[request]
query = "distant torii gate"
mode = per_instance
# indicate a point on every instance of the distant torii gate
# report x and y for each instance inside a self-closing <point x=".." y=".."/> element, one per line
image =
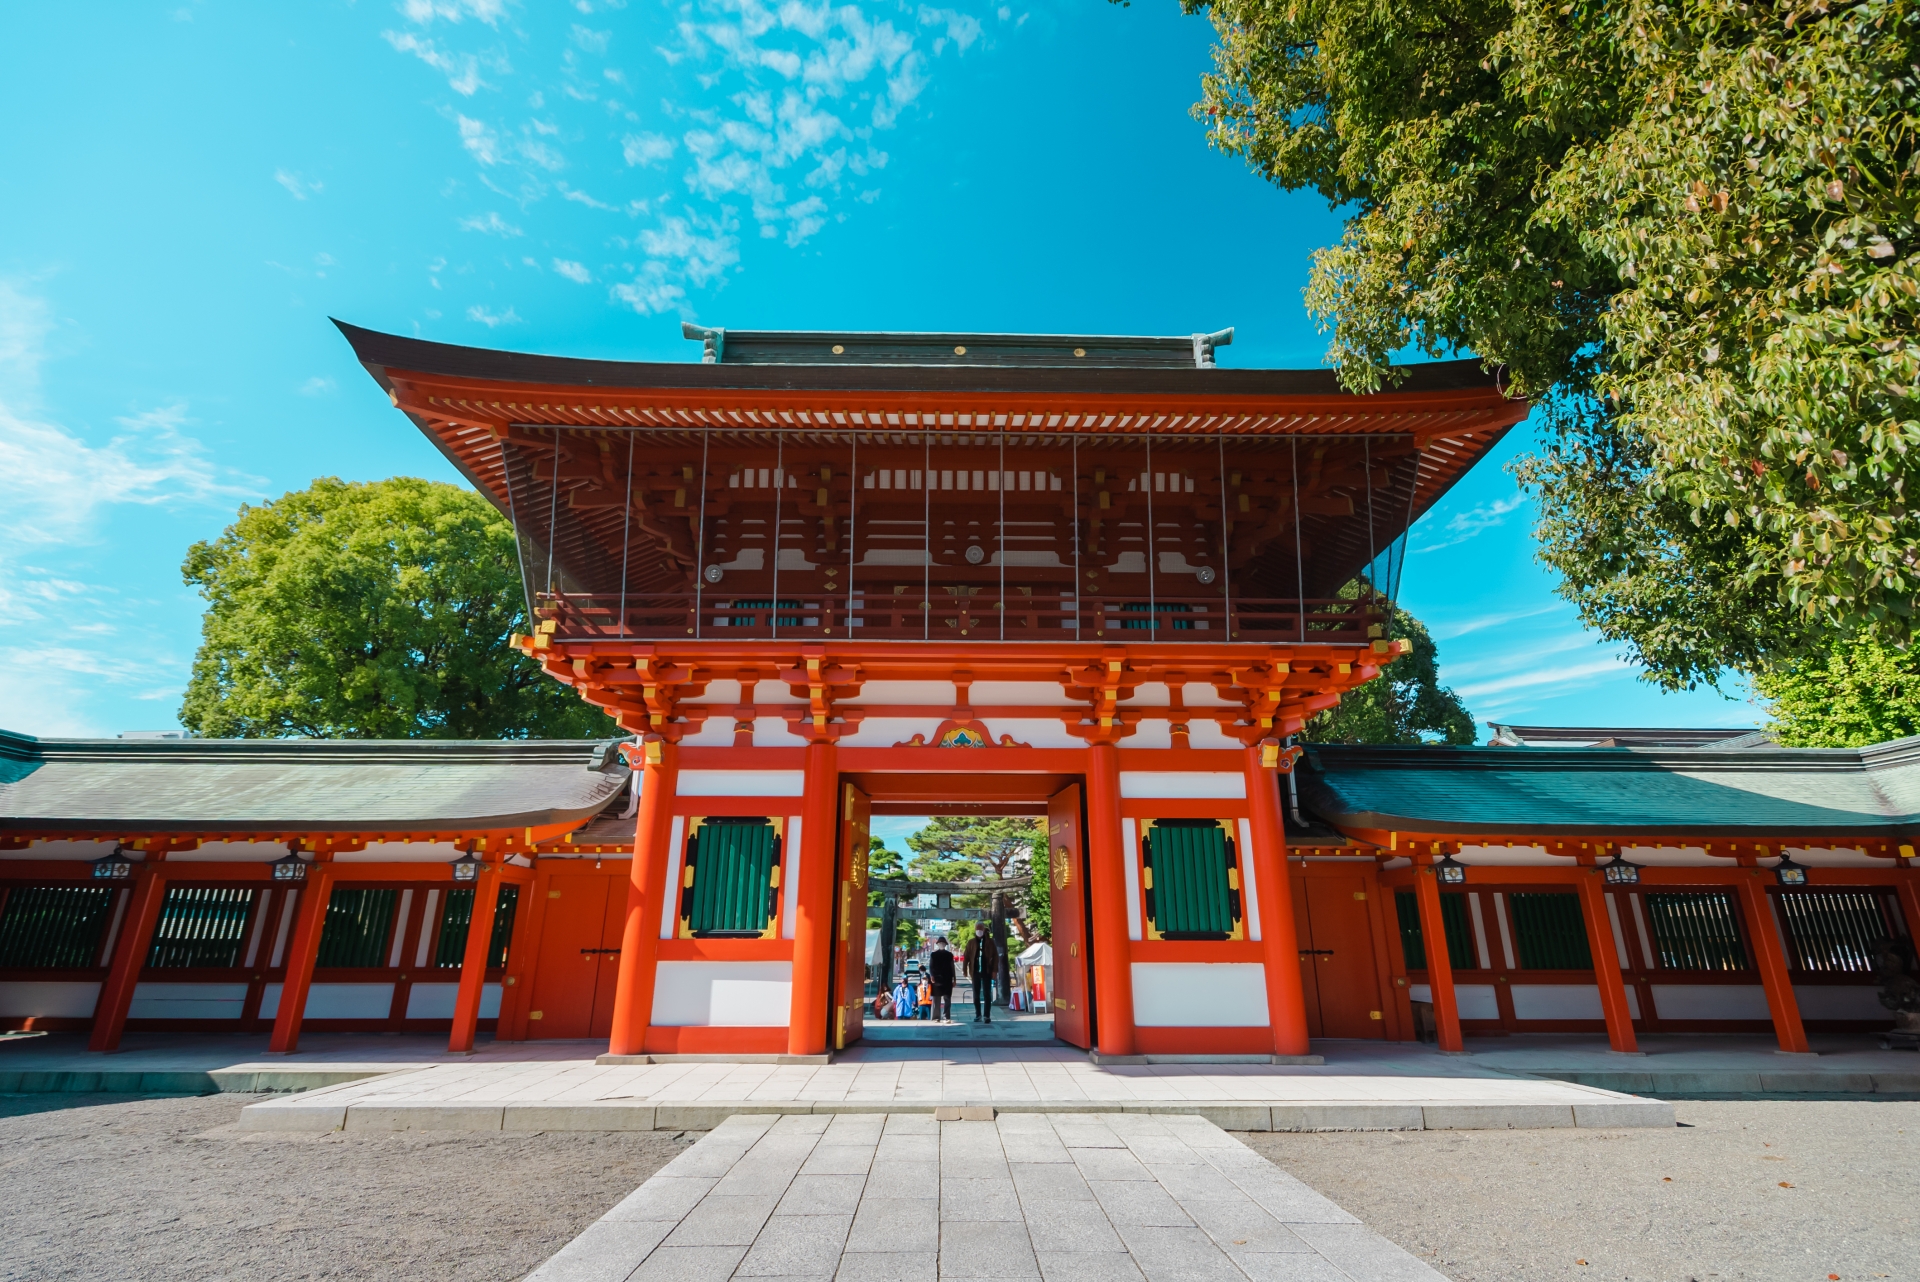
<point x="894" y="888"/>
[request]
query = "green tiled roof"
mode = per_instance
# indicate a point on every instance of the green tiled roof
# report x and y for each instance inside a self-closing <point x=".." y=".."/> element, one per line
<point x="1767" y="791"/>
<point x="266" y="786"/>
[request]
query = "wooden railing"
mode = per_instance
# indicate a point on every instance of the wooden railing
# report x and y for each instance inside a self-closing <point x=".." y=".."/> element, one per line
<point x="978" y="615"/>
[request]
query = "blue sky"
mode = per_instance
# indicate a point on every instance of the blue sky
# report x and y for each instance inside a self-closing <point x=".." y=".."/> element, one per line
<point x="195" y="187"/>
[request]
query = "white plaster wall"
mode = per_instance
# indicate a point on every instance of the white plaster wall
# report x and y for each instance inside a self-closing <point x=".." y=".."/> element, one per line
<point x="335" y="1001"/>
<point x="743" y="783"/>
<point x="723" y="994"/>
<point x="1026" y="694"/>
<point x="73" y="999"/>
<point x="939" y="694"/>
<point x="1192" y="784"/>
<point x="715" y="732"/>
<point x="1557" y="1001"/>
<point x="435" y="1001"/>
<point x="1851" y="1001"/>
<point x="1473" y="1001"/>
<point x="1199" y="995"/>
<point x="1205" y="732"/>
<point x="1037" y="732"/>
<point x="884" y="732"/>
<point x="1150" y="733"/>
<point x="187" y="1001"/>
<point x="1710" y="1001"/>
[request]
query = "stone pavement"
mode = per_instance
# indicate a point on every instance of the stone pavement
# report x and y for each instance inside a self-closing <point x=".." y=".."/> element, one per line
<point x="1411" y="1092"/>
<point x="907" y="1198"/>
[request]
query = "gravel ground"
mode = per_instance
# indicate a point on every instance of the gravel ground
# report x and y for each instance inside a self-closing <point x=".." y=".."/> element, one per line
<point x="118" y="1187"/>
<point x="1776" y="1190"/>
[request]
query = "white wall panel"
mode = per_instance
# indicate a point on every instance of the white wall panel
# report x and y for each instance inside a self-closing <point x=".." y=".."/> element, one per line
<point x="435" y="1001"/>
<point x="1199" y="995"/>
<point x="1472" y="1001"/>
<point x="1710" y="1001"/>
<point x="187" y="1001"/>
<point x="723" y="994"/>
<point x="69" y="999"/>
<point x="1189" y="784"/>
<point x="744" y="783"/>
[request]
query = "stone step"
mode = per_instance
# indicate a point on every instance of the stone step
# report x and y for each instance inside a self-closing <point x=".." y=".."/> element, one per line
<point x="318" y="1113"/>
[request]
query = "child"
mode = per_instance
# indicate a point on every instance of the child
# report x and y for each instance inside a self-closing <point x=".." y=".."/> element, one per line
<point x="925" y="1008"/>
<point x="902" y="999"/>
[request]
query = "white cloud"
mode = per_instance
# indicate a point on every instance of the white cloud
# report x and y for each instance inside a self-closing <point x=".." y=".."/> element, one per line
<point x="479" y="140"/>
<point x="462" y="70"/>
<point x="423" y="12"/>
<point x="1551" y="675"/>
<point x="487" y="318"/>
<point x="1465" y="525"/>
<point x="316" y="386"/>
<point x="491" y="224"/>
<point x="647" y="149"/>
<point x="575" y="272"/>
<point x="962" y="28"/>
<point x="1448" y="631"/>
<point x="300" y="188"/>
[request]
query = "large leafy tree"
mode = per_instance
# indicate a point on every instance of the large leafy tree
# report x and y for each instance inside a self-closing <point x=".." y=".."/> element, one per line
<point x="1859" y="692"/>
<point x="1405" y="704"/>
<point x="370" y="610"/>
<point x="1686" y="226"/>
<point x="971" y="847"/>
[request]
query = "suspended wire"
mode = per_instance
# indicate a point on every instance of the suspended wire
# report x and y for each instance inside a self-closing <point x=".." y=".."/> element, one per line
<point x="626" y="537"/>
<point x="926" y="533"/>
<point x="779" y="494"/>
<point x="1366" y="466"/>
<point x="553" y="509"/>
<point x="1153" y="548"/>
<point x="513" y="519"/>
<point x="1000" y="535"/>
<point x="1226" y="538"/>
<point x="700" y="553"/>
<point x="853" y="517"/>
<point x="1079" y="577"/>
<point x="1299" y="561"/>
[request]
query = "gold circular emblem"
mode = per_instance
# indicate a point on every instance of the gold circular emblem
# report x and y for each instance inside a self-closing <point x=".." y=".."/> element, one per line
<point x="1062" y="870"/>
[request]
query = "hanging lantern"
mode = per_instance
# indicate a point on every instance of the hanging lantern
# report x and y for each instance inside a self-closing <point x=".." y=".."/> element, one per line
<point x="113" y="867"/>
<point x="1451" y="872"/>
<point x="467" y="868"/>
<point x="1788" y="873"/>
<point x="290" y="866"/>
<point x="1621" y="873"/>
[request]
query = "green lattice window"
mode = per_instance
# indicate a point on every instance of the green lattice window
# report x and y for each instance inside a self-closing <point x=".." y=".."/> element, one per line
<point x="359" y="925"/>
<point x="1695" y="930"/>
<point x="54" y="927"/>
<point x="1832" y="932"/>
<point x="1191" y="875"/>
<point x="1454" y="919"/>
<point x="200" y="926"/>
<point x="458" y="915"/>
<point x="1549" y="932"/>
<point x="731" y="886"/>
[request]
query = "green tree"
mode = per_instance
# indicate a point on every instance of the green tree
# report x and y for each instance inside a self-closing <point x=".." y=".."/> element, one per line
<point x="971" y="848"/>
<point x="1686" y="226"/>
<point x="885" y="863"/>
<point x="367" y="611"/>
<point x="1404" y="704"/>
<point x="1860" y="692"/>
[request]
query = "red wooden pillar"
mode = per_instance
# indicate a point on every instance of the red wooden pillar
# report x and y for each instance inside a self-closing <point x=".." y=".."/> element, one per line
<point x="1107" y="884"/>
<point x="1770" y="957"/>
<point x="473" y="963"/>
<point x="646" y="891"/>
<point x="1286" y="1004"/>
<point x="1433" y="936"/>
<point x="813" y="927"/>
<point x="309" y="919"/>
<point x="129" y="955"/>
<point x="1606" y="960"/>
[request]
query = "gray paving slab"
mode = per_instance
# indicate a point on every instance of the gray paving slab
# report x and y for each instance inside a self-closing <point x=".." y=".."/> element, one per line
<point x="892" y="1198"/>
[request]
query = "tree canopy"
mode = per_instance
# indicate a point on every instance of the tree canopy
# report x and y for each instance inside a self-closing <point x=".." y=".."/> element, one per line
<point x="1404" y="704"/>
<point x="1687" y="227"/>
<point x="370" y="610"/>
<point x="972" y="847"/>
<point x="1859" y="692"/>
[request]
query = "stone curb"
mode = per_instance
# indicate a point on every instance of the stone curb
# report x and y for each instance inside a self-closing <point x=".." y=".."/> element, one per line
<point x="1737" y="1082"/>
<point x="317" y="1114"/>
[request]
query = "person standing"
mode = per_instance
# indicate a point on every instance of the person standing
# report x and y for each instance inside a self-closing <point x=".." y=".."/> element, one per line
<point x="940" y="970"/>
<point x="983" y="963"/>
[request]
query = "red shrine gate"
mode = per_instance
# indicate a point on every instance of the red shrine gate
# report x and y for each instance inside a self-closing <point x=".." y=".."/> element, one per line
<point x="1098" y="577"/>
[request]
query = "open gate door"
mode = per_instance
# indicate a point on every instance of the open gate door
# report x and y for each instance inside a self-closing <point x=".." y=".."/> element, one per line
<point x="850" y="918"/>
<point x="1066" y="865"/>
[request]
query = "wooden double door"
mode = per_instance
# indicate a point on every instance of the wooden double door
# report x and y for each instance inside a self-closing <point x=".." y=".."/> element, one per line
<point x="1336" y="916"/>
<point x="582" y="917"/>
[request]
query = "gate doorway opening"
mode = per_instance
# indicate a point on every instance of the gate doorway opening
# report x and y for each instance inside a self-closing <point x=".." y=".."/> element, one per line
<point x="1039" y="990"/>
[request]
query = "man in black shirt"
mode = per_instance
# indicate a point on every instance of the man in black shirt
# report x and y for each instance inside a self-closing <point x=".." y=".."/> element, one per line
<point x="983" y="963"/>
<point x="940" y="971"/>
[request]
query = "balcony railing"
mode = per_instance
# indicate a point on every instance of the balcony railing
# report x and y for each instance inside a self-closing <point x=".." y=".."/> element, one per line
<point x="913" y="614"/>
